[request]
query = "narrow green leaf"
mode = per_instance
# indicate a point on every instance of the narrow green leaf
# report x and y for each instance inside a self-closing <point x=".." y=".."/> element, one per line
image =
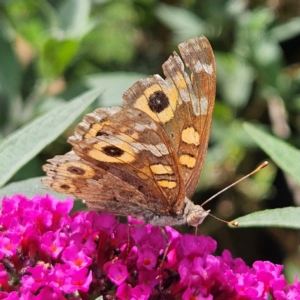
<point x="286" y="30"/>
<point x="29" y="188"/>
<point x="115" y="84"/>
<point x="22" y="145"/>
<point x="288" y="217"/>
<point x="182" y="22"/>
<point x="10" y="68"/>
<point x="291" y="267"/>
<point x="235" y="78"/>
<point x="33" y="187"/>
<point x="283" y="154"/>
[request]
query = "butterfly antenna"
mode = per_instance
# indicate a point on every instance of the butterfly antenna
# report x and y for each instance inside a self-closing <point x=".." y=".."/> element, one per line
<point x="261" y="166"/>
<point x="233" y="223"/>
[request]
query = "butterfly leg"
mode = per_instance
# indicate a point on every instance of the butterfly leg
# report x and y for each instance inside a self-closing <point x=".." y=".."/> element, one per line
<point x="128" y="238"/>
<point x="160" y="271"/>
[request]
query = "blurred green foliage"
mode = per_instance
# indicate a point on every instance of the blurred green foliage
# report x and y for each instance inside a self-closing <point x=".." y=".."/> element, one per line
<point x="52" y="51"/>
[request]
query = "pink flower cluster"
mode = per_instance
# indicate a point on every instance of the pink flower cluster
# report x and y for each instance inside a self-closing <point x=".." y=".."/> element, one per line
<point x="47" y="253"/>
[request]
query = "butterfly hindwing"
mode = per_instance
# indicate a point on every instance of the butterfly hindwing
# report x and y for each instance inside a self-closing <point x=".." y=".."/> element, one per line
<point x="69" y="174"/>
<point x="133" y="147"/>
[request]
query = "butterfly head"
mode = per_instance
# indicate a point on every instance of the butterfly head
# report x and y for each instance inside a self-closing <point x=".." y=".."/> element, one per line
<point x="195" y="214"/>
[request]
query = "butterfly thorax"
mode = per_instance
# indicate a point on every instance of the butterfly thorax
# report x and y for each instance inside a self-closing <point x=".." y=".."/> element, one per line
<point x="192" y="215"/>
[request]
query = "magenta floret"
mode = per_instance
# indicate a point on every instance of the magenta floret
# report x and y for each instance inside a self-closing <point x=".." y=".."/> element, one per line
<point x="48" y="253"/>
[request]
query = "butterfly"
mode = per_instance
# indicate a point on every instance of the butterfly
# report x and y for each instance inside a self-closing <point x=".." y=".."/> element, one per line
<point x="144" y="159"/>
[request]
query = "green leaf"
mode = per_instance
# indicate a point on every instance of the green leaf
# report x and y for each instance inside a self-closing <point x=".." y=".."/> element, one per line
<point x="115" y="84"/>
<point x="235" y="77"/>
<point x="288" y="217"/>
<point x="10" y="68"/>
<point x="255" y="43"/>
<point x="30" y="188"/>
<point x="22" y="145"/>
<point x="182" y="22"/>
<point x="56" y="55"/>
<point x="291" y="266"/>
<point x="286" y="30"/>
<point x="284" y="155"/>
<point x="74" y="17"/>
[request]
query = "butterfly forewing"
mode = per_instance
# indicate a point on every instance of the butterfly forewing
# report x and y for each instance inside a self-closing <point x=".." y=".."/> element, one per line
<point x="199" y="58"/>
<point x="182" y="104"/>
<point x="134" y="148"/>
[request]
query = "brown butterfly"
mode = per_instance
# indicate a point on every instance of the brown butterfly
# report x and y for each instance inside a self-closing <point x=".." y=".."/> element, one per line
<point x="145" y="159"/>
